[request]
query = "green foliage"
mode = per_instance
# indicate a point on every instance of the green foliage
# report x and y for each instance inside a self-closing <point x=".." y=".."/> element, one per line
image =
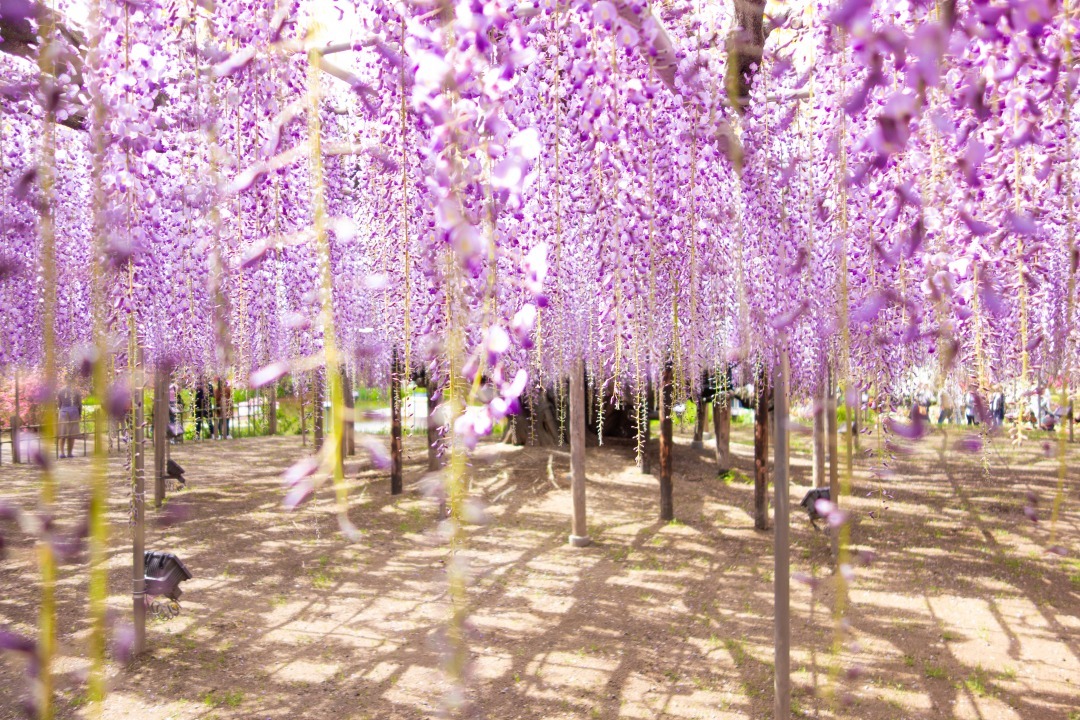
<point x="740" y="477"/>
<point x="934" y="672"/>
<point x="1074" y="573"/>
<point x="228" y="698"/>
<point x="977" y="682"/>
<point x="737" y="652"/>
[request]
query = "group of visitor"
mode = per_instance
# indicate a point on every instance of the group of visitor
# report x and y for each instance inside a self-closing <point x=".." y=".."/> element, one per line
<point x="69" y="410"/>
<point x="213" y="406"/>
<point x="960" y="406"/>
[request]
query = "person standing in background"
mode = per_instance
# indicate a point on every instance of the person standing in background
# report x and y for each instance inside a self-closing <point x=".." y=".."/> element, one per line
<point x="69" y="402"/>
<point x="204" y="393"/>
<point x="945" y="407"/>
<point x="176" y="429"/>
<point x="997" y="406"/>
<point x="223" y="398"/>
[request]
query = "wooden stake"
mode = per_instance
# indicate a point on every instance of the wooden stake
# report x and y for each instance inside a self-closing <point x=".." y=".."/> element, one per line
<point x="579" y="532"/>
<point x="722" y="428"/>
<point x="138" y="490"/>
<point x="318" y="412"/>
<point x="1068" y="408"/>
<point x="432" y="427"/>
<point x="395" y="424"/>
<point x="348" y="434"/>
<point x="667" y="503"/>
<point x="831" y="423"/>
<point x="271" y="421"/>
<point x="761" y="453"/>
<point x="781" y="550"/>
<point x="303" y="412"/>
<point x="16" y="423"/>
<point x="161" y="432"/>
<point x="855" y="413"/>
<point x="819" y="435"/>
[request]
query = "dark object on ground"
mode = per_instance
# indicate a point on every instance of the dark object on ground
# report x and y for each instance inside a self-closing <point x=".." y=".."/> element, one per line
<point x="809" y="502"/>
<point x="163" y="573"/>
<point x="173" y="470"/>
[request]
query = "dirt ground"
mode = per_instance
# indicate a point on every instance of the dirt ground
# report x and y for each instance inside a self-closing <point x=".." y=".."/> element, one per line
<point x="963" y="614"/>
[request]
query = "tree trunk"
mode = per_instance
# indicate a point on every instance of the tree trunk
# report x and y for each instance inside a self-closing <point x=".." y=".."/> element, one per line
<point x="667" y="503"/>
<point x="395" y="425"/>
<point x="579" y="532"/>
<point x="538" y="422"/>
<point x="318" y="413"/>
<point x="161" y="437"/>
<point x="699" y="424"/>
<point x="819" y="437"/>
<point x="722" y="431"/>
<point x="761" y="453"/>
<point x="781" y="551"/>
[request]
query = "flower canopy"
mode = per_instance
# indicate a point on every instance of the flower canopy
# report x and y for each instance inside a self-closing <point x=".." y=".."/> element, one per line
<point x="506" y="186"/>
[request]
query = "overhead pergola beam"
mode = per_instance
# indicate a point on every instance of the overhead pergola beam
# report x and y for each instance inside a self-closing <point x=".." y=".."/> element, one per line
<point x="19" y="37"/>
<point x="745" y="47"/>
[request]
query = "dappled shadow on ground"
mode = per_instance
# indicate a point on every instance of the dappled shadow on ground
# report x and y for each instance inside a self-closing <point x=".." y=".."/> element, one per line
<point x="962" y="614"/>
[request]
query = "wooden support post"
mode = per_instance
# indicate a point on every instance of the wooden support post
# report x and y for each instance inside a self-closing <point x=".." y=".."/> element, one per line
<point x="781" y="550"/>
<point x="271" y="420"/>
<point x="667" y="502"/>
<point x="138" y="506"/>
<point x="303" y="411"/>
<point x="318" y="412"/>
<point x="854" y="413"/>
<point x="722" y="431"/>
<point x="699" y="424"/>
<point x="819" y="435"/>
<point x="161" y="432"/>
<point x="432" y="426"/>
<point x="16" y="423"/>
<point x="579" y="532"/>
<point x="831" y="423"/>
<point x="395" y="424"/>
<point x="348" y="434"/>
<point x="761" y="452"/>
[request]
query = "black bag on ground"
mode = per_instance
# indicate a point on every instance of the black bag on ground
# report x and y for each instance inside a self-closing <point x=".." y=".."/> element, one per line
<point x="173" y="470"/>
<point x="163" y="573"/>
